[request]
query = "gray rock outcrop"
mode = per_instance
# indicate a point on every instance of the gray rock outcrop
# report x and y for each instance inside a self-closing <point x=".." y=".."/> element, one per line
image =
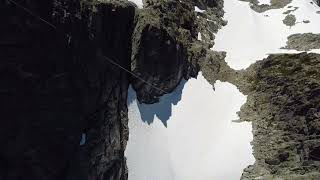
<point x="283" y="106"/>
<point x="303" y="42"/>
<point x="290" y="20"/>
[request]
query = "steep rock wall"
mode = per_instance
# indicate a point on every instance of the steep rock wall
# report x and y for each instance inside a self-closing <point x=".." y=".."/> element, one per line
<point x="62" y="82"/>
<point x="164" y="31"/>
<point x="165" y="43"/>
<point x="57" y="85"/>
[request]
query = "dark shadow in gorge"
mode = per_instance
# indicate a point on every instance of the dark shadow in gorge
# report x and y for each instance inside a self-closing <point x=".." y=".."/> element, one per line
<point x="162" y="109"/>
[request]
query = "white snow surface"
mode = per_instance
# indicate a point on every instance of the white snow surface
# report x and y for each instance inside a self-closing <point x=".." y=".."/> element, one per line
<point x="264" y="2"/>
<point x="137" y="2"/>
<point x="250" y="36"/>
<point x="200" y="141"/>
<point x="198" y="10"/>
<point x="199" y="36"/>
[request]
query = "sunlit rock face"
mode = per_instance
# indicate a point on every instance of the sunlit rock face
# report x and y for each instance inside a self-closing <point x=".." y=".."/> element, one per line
<point x="303" y="42"/>
<point x="283" y="105"/>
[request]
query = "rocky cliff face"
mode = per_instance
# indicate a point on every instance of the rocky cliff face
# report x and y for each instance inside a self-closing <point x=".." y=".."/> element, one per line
<point x="57" y="85"/>
<point x="163" y="33"/>
<point x="165" y="44"/>
<point x="283" y="105"/>
<point x="62" y="82"/>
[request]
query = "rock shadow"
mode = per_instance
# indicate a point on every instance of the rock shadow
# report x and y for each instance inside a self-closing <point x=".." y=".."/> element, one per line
<point x="162" y="109"/>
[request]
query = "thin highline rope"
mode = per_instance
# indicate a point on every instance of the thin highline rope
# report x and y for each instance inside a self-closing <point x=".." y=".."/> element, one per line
<point x="130" y="72"/>
<point x="108" y="59"/>
<point x="32" y="14"/>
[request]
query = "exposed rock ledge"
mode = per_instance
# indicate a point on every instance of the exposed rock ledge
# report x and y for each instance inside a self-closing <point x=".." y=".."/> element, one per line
<point x="303" y="42"/>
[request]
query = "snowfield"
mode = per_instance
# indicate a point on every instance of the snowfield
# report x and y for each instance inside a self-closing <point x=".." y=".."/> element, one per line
<point x="250" y="36"/>
<point x="200" y="142"/>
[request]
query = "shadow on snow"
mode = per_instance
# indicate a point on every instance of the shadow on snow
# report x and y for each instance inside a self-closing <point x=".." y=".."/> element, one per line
<point x="163" y="109"/>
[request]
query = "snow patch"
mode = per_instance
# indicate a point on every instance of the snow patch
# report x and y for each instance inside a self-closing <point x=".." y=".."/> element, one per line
<point x="198" y="10"/>
<point x="250" y="36"/>
<point x="200" y="142"/>
<point x="268" y="2"/>
<point x="138" y="3"/>
<point x="199" y="36"/>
